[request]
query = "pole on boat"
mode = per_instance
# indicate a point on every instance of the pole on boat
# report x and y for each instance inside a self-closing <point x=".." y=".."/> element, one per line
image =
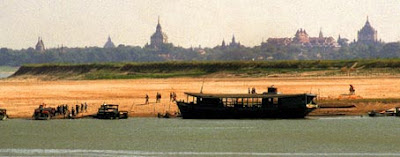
<point x="201" y="90"/>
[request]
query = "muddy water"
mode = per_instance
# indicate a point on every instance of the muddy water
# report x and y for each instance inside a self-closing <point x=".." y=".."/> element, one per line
<point x="325" y="136"/>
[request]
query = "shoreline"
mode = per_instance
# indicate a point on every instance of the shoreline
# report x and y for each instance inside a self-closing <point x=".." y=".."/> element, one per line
<point x="320" y="112"/>
<point x="151" y="116"/>
<point x="21" y="97"/>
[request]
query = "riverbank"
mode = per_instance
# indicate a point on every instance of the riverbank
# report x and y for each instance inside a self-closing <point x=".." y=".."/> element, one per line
<point x="216" y="69"/>
<point x="21" y="97"/>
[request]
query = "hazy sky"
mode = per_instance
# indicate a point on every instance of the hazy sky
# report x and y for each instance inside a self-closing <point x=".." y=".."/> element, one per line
<point x="79" y="23"/>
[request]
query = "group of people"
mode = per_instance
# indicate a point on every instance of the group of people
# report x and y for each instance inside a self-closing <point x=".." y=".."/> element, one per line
<point x="253" y="91"/>
<point x="79" y="109"/>
<point x="63" y="109"/>
<point x="172" y="97"/>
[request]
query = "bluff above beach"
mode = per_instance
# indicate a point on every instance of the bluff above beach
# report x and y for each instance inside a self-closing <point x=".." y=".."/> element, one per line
<point x="222" y="69"/>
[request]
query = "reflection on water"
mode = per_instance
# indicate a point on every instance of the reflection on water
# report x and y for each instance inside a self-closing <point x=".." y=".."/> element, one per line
<point x="321" y="136"/>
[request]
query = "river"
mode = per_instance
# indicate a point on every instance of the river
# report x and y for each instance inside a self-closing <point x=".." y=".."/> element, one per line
<point x="316" y="136"/>
<point x="5" y="74"/>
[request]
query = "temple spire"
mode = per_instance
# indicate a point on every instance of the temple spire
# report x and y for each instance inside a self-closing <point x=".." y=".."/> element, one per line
<point x="320" y="33"/>
<point x="158" y="28"/>
<point x="367" y="23"/>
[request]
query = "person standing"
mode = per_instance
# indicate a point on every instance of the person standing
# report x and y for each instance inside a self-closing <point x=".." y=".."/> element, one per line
<point x="352" y="90"/>
<point x="158" y="97"/>
<point x="72" y="111"/>
<point x="85" y="107"/>
<point x="77" y="109"/>
<point x="173" y="97"/>
<point x="147" y="99"/>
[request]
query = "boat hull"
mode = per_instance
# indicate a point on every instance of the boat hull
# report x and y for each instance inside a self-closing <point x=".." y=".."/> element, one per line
<point x="190" y="111"/>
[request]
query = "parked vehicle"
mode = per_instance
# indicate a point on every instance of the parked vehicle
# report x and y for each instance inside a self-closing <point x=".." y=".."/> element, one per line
<point x="111" y="111"/>
<point x="44" y="113"/>
<point x="3" y="114"/>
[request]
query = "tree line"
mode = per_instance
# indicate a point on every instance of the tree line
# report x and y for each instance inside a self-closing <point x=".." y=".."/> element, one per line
<point x="169" y="52"/>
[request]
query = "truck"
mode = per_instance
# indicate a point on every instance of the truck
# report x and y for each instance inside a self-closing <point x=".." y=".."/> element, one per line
<point x="3" y="114"/>
<point x="44" y="113"/>
<point x="111" y="111"/>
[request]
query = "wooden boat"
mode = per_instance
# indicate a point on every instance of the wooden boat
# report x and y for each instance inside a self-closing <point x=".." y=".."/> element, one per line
<point x="390" y="112"/>
<point x="270" y="104"/>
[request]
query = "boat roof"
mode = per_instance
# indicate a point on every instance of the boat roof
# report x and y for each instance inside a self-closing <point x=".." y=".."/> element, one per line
<point x="267" y="95"/>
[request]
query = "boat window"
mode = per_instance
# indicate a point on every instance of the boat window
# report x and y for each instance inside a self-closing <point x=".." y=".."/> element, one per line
<point x="195" y="100"/>
<point x="239" y="101"/>
<point x="275" y="101"/>
<point x="210" y="101"/>
<point x="230" y="102"/>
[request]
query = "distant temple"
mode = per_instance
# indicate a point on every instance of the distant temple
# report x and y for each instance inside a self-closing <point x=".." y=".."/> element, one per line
<point x="342" y="41"/>
<point x="302" y="38"/>
<point x="158" y="38"/>
<point x="40" y="46"/>
<point x="367" y="34"/>
<point x="109" y="43"/>
<point x="233" y="43"/>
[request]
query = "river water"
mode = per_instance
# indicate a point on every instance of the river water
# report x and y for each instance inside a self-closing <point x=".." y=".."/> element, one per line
<point x="5" y="74"/>
<point x="320" y="136"/>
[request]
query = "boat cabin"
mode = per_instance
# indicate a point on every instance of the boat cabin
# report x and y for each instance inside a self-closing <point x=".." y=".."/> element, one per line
<point x="264" y="100"/>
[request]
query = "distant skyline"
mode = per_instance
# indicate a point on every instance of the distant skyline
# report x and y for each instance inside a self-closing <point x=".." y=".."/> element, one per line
<point x="80" y="23"/>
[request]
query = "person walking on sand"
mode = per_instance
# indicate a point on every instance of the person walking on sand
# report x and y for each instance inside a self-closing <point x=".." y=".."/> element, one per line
<point x="147" y="99"/>
<point x="253" y="91"/>
<point x="352" y="90"/>
<point x="158" y="97"/>
<point x="85" y="107"/>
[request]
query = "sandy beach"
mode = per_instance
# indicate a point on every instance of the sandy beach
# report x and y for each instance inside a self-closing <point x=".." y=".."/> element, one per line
<point x="21" y="97"/>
